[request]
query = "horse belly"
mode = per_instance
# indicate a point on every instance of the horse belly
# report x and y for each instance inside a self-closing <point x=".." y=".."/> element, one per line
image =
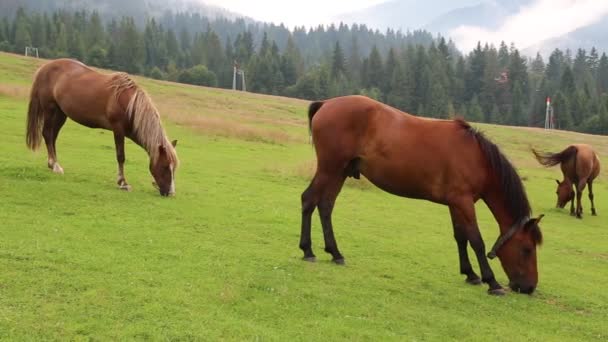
<point x="404" y="179"/>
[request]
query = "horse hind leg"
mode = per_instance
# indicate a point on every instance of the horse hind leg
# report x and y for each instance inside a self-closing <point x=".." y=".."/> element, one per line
<point x="593" y="212"/>
<point x="580" y="187"/>
<point x="463" y="256"/>
<point x="331" y="188"/>
<point x="321" y="194"/>
<point x="309" y="203"/>
<point x="54" y="121"/>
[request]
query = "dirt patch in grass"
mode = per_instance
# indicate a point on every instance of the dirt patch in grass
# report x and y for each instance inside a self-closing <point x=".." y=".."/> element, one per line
<point x="13" y="90"/>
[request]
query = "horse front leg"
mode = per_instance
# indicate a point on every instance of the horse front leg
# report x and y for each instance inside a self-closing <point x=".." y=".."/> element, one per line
<point x="464" y="214"/>
<point x="119" y="141"/>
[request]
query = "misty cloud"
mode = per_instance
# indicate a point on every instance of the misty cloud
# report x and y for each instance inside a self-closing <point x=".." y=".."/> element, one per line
<point x="541" y="20"/>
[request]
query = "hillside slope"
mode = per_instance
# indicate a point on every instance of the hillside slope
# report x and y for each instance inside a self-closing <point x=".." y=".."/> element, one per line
<point x="82" y="260"/>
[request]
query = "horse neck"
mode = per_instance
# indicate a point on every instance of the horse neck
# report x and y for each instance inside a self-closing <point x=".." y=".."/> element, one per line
<point x="497" y="203"/>
<point x="151" y="147"/>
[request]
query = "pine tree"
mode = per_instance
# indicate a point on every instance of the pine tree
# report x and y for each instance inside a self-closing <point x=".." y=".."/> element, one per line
<point x="95" y="34"/>
<point x="503" y="55"/>
<point x="474" y="74"/>
<point x="517" y="115"/>
<point x="562" y="111"/>
<point x="61" y="44"/>
<point x="602" y="75"/>
<point x="474" y="112"/>
<point x="338" y="62"/>
<point x="400" y="90"/>
<point x="354" y="62"/>
<point x="375" y="69"/>
<point x="22" y="32"/>
<point x="38" y="29"/>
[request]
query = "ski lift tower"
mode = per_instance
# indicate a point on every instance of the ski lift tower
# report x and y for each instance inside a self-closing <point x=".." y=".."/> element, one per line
<point x="31" y="51"/>
<point x="549" y="117"/>
<point x="237" y="71"/>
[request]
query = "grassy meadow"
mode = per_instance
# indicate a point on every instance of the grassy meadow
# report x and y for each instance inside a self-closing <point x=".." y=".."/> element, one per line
<point x="81" y="260"/>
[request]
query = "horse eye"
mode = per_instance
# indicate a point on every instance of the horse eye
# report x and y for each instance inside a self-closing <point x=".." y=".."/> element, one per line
<point x="526" y="252"/>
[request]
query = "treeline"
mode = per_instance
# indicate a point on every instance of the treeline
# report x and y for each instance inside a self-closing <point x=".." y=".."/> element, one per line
<point x="413" y="71"/>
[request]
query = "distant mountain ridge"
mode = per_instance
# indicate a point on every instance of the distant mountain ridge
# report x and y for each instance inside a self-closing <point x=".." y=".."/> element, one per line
<point x="118" y="8"/>
<point x="443" y="16"/>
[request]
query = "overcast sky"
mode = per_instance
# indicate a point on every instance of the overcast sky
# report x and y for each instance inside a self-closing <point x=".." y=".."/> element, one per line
<point x="294" y="13"/>
<point x="543" y="19"/>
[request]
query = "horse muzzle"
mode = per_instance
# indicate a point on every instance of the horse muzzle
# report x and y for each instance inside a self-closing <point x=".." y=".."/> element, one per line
<point x="525" y="289"/>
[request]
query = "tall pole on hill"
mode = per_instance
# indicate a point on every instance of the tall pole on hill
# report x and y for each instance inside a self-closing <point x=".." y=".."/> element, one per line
<point x="236" y="71"/>
<point x="549" y="118"/>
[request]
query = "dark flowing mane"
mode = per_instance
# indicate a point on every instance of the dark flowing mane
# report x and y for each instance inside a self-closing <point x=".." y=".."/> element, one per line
<point x="516" y="199"/>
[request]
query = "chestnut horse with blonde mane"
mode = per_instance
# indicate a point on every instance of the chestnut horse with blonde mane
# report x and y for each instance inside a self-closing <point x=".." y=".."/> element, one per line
<point x="67" y="88"/>
<point x="443" y="161"/>
<point x="580" y="166"/>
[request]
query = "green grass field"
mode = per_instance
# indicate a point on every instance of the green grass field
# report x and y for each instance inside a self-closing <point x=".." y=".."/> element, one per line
<point x="81" y="260"/>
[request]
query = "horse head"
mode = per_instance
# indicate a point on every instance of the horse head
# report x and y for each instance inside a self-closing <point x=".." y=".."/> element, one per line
<point x="162" y="168"/>
<point x="516" y="250"/>
<point x="564" y="192"/>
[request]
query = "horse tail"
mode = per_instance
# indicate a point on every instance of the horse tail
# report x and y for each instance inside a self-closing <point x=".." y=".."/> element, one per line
<point x="312" y="110"/>
<point x="35" y="118"/>
<point x="551" y="159"/>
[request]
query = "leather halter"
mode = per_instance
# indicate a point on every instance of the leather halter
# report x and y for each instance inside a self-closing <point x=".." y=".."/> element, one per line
<point x="506" y="237"/>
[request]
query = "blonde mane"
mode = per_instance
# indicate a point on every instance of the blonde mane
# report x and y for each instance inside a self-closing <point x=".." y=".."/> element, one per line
<point x="147" y="126"/>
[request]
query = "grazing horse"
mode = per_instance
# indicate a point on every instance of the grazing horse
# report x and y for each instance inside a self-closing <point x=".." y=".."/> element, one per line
<point x="67" y="88"/>
<point x="580" y="166"/>
<point x="443" y="161"/>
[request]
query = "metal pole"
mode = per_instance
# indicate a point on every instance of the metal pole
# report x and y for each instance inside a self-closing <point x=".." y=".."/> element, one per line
<point x="244" y="86"/>
<point x="234" y="78"/>
<point x="548" y="114"/>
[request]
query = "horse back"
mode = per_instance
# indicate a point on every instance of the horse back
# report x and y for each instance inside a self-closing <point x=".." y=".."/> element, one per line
<point x="81" y="93"/>
<point x="400" y="153"/>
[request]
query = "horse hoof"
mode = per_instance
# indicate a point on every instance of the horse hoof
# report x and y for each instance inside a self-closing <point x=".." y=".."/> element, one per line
<point x="310" y="259"/>
<point x="57" y="169"/>
<point x="473" y="281"/>
<point x="594" y="214"/>
<point x="497" y="292"/>
<point x="125" y="187"/>
<point x="339" y="261"/>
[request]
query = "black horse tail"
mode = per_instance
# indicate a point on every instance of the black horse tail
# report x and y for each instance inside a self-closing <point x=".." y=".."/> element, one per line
<point x="312" y="110"/>
<point x="35" y="118"/>
<point x="551" y="159"/>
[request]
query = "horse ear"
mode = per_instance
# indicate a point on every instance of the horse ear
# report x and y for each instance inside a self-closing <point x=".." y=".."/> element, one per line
<point x="174" y="143"/>
<point x="161" y="148"/>
<point x="540" y="217"/>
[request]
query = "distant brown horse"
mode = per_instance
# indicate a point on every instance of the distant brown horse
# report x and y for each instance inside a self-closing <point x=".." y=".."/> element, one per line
<point x="67" y="88"/>
<point x="442" y="161"/>
<point x="580" y="166"/>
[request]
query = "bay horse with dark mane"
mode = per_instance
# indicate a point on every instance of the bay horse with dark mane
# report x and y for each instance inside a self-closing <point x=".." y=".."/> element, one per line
<point x="67" y="88"/>
<point x="443" y="161"/>
<point x="580" y="166"/>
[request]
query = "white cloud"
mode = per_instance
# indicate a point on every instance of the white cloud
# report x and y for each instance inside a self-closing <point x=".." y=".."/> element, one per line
<point x="543" y="19"/>
<point x="293" y="13"/>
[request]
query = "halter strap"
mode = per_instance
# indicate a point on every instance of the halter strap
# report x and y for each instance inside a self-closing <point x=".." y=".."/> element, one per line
<point x="508" y="235"/>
